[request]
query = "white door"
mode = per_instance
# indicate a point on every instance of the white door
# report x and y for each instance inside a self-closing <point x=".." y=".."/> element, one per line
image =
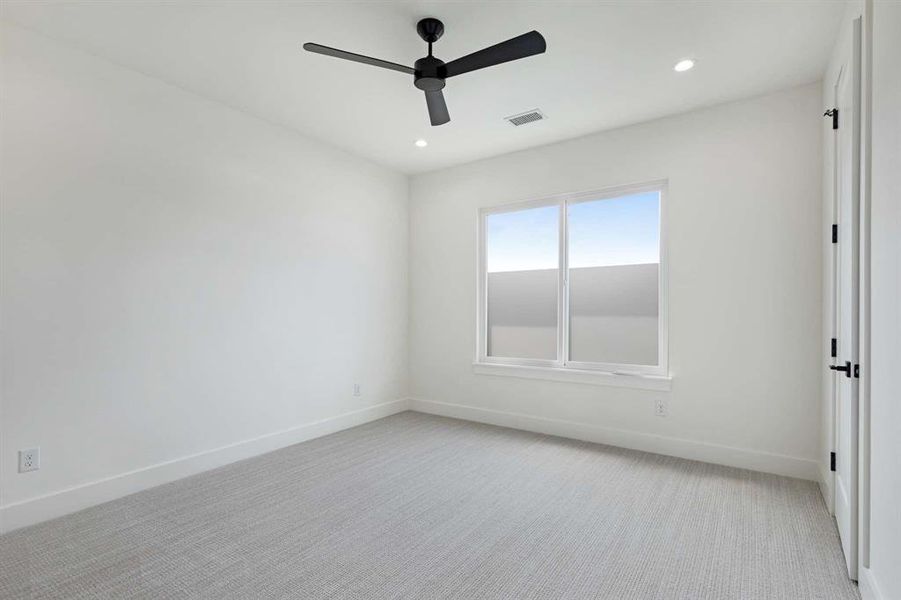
<point x="845" y="380"/>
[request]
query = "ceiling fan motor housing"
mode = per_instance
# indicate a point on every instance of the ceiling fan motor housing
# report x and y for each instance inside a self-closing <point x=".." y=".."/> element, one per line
<point x="429" y="74"/>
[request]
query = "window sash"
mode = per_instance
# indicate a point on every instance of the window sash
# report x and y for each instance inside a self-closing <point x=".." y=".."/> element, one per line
<point x="564" y="201"/>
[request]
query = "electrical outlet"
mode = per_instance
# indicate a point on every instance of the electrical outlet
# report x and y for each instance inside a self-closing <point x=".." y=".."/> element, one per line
<point x="356" y="389"/>
<point x="661" y="407"/>
<point x="29" y="460"/>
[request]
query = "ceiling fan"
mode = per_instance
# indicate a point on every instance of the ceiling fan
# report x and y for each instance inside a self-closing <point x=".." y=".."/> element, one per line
<point x="430" y="72"/>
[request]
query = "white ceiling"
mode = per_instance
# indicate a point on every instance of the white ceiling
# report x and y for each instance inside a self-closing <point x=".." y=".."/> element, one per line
<point x="608" y="63"/>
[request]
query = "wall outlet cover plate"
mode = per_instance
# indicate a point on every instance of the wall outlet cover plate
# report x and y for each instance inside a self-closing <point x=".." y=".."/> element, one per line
<point x="29" y="460"/>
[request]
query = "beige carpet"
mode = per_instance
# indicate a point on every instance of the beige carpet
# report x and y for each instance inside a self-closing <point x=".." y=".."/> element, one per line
<point x="416" y="506"/>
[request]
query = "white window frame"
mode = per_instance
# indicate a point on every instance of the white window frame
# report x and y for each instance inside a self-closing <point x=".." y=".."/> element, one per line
<point x="645" y="376"/>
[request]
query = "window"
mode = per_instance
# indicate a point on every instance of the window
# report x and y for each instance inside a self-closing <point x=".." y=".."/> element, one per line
<point x="575" y="282"/>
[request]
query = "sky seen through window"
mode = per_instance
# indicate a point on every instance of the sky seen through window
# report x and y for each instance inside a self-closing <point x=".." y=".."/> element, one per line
<point x="613" y="231"/>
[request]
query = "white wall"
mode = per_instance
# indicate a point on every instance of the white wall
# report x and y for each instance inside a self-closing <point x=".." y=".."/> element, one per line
<point x="745" y="265"/>
<point x="882" y="581"/>
<point x="177" y="277"/>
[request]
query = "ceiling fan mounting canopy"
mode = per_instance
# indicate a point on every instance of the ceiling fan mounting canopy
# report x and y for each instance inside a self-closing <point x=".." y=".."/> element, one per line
<point x="429" y="72"/>
<point x="430" y="29"/>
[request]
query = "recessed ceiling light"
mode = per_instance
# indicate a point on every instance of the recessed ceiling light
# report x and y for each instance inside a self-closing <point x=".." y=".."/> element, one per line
<point x="684" y="65"/>
<point x="421" y="143"/>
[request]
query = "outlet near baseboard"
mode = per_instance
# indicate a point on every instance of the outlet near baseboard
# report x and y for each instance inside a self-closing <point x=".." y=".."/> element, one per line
<point x="29" y="460"/>
<point x="661" y="407"/>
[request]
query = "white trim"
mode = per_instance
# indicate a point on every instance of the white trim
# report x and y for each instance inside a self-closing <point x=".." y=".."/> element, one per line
<point x="563" y="324"/>
<point x="481" y="291"/>
<point x="863" y="328"/>
<point x="542" y="363"/>
<point x="866" y="584"/>
<point x="663" y="282"/>
<point x="571" y="375"/>
<point x="743" y="458"/>
<point x="825" y="483"/>
<point x="562" y="362"/>
<point x="56" y="504"/>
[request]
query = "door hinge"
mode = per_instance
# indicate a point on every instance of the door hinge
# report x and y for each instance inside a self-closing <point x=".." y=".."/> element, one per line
<point x="833" y="348"/>
<point x="832" y="112"/>
<point x="835" y="233"/>
<point x="832" y="461"/>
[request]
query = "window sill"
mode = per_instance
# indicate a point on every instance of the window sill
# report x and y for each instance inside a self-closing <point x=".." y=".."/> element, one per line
<point x="642" y="382"/>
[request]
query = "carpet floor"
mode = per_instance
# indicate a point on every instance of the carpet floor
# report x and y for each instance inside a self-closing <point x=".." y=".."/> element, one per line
<point x="418" y="506"/>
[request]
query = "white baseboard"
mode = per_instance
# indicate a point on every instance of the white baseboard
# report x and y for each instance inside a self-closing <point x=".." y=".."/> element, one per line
<point x="825" y="481"/>
<point x="42" y="508"/>
<point x="743" y="458"/>
<point x="35" y="510"/>
<point x="867" y="586"/>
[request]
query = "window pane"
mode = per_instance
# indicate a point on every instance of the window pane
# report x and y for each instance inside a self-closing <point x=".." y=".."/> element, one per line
<point x="521" y="254"/>
<point x="614" y="261"/>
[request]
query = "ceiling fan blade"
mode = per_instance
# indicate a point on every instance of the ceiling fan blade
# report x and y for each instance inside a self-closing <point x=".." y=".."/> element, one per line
<point x="366" y="60"/>
<point x="437" y="107"/>
<point x="527" y="44"/>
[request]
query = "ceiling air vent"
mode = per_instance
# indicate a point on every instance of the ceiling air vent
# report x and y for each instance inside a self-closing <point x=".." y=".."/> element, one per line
<point x="526" y="117"/>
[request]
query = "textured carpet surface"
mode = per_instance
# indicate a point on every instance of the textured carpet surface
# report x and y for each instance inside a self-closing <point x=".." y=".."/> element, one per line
<point x="416" y="506"/>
